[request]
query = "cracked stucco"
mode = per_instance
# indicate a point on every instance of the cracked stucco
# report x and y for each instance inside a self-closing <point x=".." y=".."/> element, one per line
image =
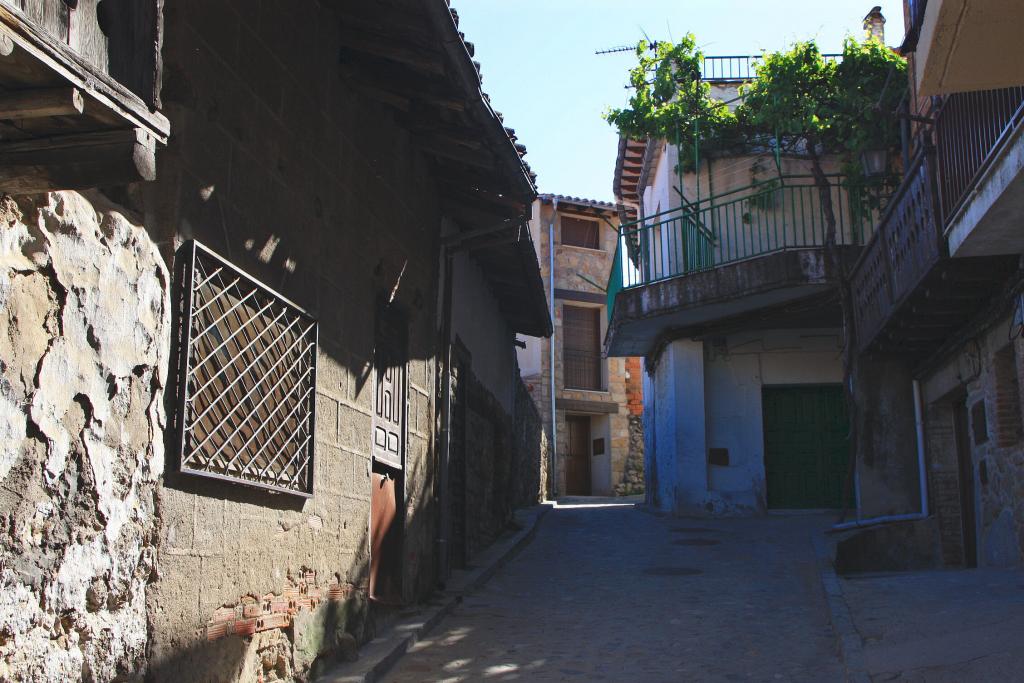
<point x="84" y="344"/>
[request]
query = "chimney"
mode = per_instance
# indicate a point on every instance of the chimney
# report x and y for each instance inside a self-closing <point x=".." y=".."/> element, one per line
<point x="874" y="25"/>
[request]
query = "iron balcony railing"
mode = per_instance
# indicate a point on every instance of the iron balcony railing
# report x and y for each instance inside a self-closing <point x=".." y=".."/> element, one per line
<point x="583" y="369"/>
<point x="773" y="216"/>
<point x="727" y="68"/>
<point x="970" y="128"/>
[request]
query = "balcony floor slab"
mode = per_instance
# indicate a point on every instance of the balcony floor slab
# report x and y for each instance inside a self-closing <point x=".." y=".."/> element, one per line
<point x="643" y="316"/>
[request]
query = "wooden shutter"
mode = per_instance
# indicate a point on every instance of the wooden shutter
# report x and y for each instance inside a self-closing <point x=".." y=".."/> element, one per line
<point x="581" y="347"/>
<point x="580" y="232"/>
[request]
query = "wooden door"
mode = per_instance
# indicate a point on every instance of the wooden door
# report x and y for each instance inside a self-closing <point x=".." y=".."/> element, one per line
<point x="806" y="446"/>
<point x="388" y="447"/>
<point x="577" y="461"/>
<point x="965" y="470"/>
<point x="385" y="538"/>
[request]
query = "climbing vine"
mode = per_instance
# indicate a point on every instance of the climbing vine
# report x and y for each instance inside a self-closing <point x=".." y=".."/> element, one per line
<point x="806" y="104"/>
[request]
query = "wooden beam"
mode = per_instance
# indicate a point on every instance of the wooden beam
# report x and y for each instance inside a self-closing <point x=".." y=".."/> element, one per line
<point x="73" y="162"/>
<point x="30" y="41"/>
<point x="425" y="61"/>
<point x="36" y="104"/>
<point x="399" y="84"/>
<point x="439" y="148"/>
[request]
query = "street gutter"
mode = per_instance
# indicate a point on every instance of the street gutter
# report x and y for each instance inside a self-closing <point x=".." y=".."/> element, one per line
<point x="849" y="644"/>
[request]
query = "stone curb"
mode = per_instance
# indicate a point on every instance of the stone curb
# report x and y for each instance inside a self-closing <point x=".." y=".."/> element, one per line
<point x="848" y="641"/>
<point x="378" y="656"/>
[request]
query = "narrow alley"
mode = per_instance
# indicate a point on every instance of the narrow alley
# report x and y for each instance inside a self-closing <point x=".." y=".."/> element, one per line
<point x="612" y="592"/>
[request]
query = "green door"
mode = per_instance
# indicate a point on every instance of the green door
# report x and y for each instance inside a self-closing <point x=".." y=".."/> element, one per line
<point x="806" y="439"/>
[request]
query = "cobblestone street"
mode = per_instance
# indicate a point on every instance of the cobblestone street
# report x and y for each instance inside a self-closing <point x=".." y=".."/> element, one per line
<point x="615" y="593"/>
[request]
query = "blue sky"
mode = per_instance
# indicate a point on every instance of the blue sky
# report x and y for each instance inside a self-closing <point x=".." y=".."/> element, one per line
<point x="541" y="72"/>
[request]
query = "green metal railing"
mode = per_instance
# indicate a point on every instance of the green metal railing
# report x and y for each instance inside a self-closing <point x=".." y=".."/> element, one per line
<point x="771" y="216"/>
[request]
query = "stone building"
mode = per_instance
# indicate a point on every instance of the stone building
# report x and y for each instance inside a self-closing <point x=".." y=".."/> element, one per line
<point x="597" y="400"/>
<point x="261" y="273"/>
<point x="939" y="316"/>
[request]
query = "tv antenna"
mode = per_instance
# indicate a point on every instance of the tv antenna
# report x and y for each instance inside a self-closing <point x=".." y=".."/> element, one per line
<point x="614" y="50"/>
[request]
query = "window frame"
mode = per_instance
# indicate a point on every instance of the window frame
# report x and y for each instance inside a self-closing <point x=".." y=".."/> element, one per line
<point x="191" y="255"/>
<point x="582" y="219"/>
<point x="600" y="361"/>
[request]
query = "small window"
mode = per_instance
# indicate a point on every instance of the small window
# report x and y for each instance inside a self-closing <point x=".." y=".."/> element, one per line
<point x="580" y="232"/>
<point x="246" y="379"/>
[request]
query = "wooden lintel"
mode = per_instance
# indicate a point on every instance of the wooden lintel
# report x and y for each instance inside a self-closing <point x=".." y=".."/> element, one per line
<point x="72" y="162"/>
<point x="36" y="104"/>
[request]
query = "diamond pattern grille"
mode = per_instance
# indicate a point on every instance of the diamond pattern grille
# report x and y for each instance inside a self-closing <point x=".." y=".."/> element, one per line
<point x="248" y="380"/>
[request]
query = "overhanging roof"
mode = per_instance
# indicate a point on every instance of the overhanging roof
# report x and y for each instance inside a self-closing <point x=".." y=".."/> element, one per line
<point x="411" y="56"/>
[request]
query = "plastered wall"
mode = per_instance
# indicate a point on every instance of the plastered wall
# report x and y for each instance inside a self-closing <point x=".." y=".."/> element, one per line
<point x="84" y="346"/>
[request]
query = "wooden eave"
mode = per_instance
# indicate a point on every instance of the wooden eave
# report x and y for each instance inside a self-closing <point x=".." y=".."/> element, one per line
<point x="410" y="56"/>
<point x="63" y="123"/>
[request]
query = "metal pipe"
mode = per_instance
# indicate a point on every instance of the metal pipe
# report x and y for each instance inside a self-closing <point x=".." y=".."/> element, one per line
<point x="553" y="465"/>
<point x="922" y="473"/>
<point x="922" y="477"/>
<point x="444" y="518"/>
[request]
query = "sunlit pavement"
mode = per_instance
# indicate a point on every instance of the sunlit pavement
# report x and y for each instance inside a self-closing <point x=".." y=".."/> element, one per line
<point x="615" y="593"/>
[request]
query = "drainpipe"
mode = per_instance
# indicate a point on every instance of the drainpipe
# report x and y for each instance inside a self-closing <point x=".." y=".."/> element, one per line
<point x="922" y="477"/>
<point x="446" y="417"/>
<point x="553" y="465"/>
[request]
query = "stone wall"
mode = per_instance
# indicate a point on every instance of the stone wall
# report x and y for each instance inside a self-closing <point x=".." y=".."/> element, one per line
<point x="505" y="462"/>
<point x="984" y="376"/>
<point x="576" y="268"/>
<point x="84" y="343"/>
<point x="277" y="164"/>
<point x="532" y="452"/>
<point x="633" y="473"/>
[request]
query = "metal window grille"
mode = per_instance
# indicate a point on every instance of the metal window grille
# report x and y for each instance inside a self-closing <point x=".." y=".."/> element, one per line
<point x="581" y="348"/>
<point x="247" y="377"/>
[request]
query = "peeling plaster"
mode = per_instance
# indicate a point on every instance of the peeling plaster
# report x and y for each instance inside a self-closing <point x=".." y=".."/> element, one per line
<point x="85" y="340"/>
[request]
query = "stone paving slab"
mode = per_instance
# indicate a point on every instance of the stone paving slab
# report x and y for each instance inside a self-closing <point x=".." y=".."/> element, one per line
<point x="615" y="594"/>
<point x="380" y="654"/>
<point x="939" y="626"/>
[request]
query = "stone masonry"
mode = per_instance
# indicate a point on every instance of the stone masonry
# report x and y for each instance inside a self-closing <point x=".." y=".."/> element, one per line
<point x="577" y="270"/>
<point x="85" y="340"/>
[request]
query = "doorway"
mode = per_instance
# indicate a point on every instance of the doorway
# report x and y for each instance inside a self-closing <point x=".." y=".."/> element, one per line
<point x="806" y="446"/>
<point x="577" y="460"/>
<point x="965" y="472"/>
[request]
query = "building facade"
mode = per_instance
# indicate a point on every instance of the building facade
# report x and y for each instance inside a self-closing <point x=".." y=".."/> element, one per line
<point x="727" y="291"/>
<point x="597" y="401"/>
<point x="939" y="314"/>
<point x="261" y="273"/>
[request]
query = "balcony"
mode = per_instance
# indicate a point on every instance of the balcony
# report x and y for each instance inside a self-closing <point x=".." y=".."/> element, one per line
<point x="736" y="68"/>
<point x="79" y="90"/>
<point x="966" y="45"/>
<point x="756" y="249"/>
<point x="980" y="141"/>
<point x="944" y="246"/>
